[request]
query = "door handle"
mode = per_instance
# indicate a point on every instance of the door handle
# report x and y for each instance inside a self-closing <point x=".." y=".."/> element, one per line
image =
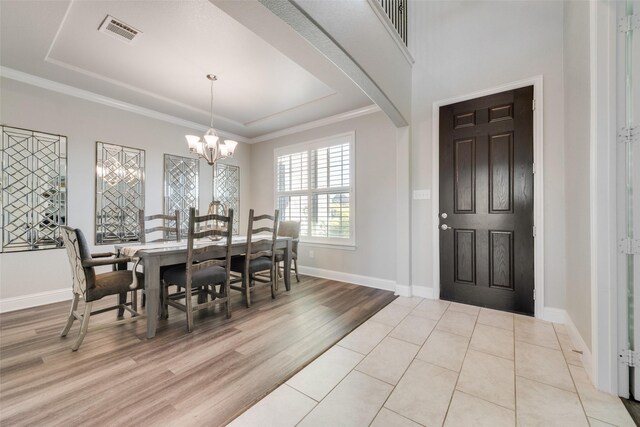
<point x="445" y="227"/>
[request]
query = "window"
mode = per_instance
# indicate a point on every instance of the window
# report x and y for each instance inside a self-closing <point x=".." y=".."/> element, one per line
<point x="315" y="185"/>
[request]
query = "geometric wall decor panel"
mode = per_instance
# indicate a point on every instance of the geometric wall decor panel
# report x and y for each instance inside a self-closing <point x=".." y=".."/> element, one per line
<point x="33" y="189"/>
<point x="119" y="193"/>
<point x="226" y="190"/>
<point x="180" y="188"/>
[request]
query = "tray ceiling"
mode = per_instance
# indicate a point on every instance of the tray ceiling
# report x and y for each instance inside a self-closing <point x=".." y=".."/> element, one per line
<point x="260" y="89"/>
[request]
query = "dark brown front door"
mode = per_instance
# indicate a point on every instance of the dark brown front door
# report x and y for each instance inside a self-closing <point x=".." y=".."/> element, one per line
<point x="486" y="201"/>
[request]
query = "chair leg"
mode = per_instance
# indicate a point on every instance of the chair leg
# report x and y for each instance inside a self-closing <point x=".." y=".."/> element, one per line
<point x="295" y="266"/>
<point x="74" y="307"/>
<point x="202" y="296"/>
<point x="247" y="292"/>
<point x="164" y="313"/>
<point x="227" y="293"/>
<point x="84" y="326"/>
<point x="188" y="305"/>
<point x="274" y="281"/>
<point x="122" y="301"/>
<point x="134" y="302"/>
<point x="277" y="276"/>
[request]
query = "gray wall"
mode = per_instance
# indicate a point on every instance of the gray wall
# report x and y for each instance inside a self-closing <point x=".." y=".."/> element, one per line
<point x="577" y="165"/>
<point x="465" y="47"/>
<point x="84" y="123"/>
<point x="374" y="255"/>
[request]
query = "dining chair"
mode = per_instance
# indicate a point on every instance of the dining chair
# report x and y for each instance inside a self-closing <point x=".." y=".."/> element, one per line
<point x="204" y="270"/>
<point x="149" y="227"/>
<point x="93" y="287"/>
<point x="289" y="229"/>
<point x="256" y="259"/>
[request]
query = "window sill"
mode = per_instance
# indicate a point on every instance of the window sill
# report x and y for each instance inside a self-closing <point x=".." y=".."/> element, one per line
<point x="339" y="246"/>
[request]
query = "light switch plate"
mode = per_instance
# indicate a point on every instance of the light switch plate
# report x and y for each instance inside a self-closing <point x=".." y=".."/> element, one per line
<point x="421" y="194"/>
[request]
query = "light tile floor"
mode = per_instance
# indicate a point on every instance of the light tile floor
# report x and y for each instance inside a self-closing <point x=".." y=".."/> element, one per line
<point x="433" y="363"/>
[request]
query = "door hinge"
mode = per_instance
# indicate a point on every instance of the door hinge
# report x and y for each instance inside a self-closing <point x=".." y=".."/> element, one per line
<point x="629" y="358"/>
<point x="534" y="231"/>
<point x="533" y="104"/>
<point x="534" y="294"/>
<point x="628" y="135"/>
<point x="628" y="246"/>
<point x="533" y="166"/>
<point x="629" y="23"/>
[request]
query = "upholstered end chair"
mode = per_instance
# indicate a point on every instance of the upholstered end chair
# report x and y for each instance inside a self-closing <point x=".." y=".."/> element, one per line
<point x="92" y="286"/>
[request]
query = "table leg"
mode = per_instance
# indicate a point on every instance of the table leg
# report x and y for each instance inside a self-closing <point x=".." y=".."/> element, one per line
<point x="152" y="290"/>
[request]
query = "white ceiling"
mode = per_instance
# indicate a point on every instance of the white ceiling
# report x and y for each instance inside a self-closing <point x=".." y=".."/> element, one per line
<point x="260" y="89"/>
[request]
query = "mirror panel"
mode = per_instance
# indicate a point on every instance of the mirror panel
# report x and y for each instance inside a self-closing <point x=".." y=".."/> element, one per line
<point x="226" y="190"/>
<point x="119" y="193"/>
<point x="34" y="200"/>
<point x="180" y="188"/>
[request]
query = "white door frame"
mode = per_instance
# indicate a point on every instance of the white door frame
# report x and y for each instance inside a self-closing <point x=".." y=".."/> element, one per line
<point x="604" y="270"/>
<point x="538" y="193"/>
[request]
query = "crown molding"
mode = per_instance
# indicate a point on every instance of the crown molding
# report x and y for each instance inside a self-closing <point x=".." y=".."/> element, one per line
<point x="369" y="109"/>
<point x="51" y="85"/>
<point x="32" y="80"/>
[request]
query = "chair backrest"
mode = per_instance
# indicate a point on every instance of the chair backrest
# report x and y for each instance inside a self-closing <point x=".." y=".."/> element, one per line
<point x="290" y="229"/>
<point x="269" y="224"/>
<point x="146" y="229"/>
<point x="198" y="257"/>
<point x="78" y="251"/>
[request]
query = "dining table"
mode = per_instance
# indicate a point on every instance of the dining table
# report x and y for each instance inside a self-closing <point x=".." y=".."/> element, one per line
<point x="153" y="256"/>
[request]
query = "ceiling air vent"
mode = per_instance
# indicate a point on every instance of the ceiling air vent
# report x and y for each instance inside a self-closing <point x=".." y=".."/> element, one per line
<point x="118" y="29"/>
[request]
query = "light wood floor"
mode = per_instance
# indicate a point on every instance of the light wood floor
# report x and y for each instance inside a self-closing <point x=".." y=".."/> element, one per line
<point x="207" y="377"/>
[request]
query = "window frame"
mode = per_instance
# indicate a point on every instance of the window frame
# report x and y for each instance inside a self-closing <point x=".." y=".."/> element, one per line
<point x="308" y="146"/>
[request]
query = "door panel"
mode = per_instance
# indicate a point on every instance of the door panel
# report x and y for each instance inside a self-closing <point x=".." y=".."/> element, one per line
<point x="501" y="259"/>
<point x="464" y="170"/>
<point x="486" y="190"/>
<point x="500" y="172"/>
<point x="465" y="250"/>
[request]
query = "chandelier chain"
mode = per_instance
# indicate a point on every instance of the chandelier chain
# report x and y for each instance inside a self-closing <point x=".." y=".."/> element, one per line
<point x="211" y="105"/>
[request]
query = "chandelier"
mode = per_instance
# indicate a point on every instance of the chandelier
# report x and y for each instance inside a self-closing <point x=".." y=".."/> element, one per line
<point x="210" y="146"/>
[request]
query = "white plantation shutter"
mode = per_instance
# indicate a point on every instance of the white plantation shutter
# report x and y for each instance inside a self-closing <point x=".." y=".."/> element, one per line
<point x="314" y="186"/>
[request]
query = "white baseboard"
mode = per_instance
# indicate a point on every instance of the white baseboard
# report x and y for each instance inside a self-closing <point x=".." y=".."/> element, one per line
<point x="578" y="342"/>
<point x="555" y="315"/>
<point x="403" y="290"/>
<point x="422" y="292"/>
<point x="34" y="300"/>
<point x="371" y="282"/>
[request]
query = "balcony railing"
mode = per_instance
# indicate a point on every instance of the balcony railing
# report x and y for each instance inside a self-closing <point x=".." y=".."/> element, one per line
<point x="396" y="10"/>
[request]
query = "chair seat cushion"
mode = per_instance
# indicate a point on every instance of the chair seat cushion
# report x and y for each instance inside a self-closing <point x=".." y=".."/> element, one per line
<point x="259" y="264"/>
<point x="209" y="276"/>
<point x="280" y="256"/>
<point x="112" y="283"/>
